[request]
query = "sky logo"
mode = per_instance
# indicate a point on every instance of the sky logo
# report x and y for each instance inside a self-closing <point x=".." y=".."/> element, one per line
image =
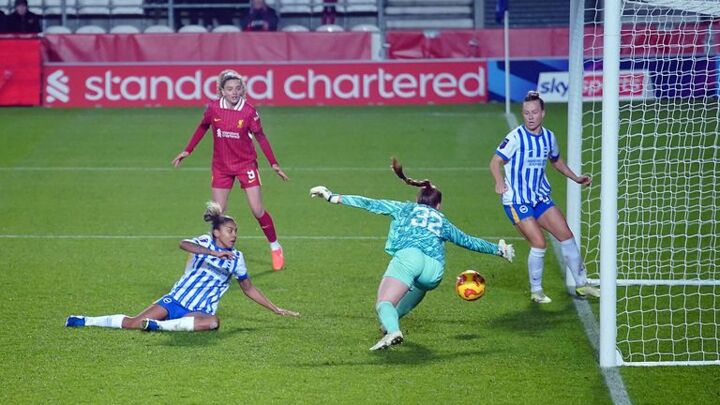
<point x="554" y="86"/>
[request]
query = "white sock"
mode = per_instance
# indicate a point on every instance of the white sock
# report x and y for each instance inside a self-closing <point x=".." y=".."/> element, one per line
<point x="571" y="253"/>
<point x="275" y="245"/>
<point x="178" y="325"/>
<point x="535" y="268"/>
<point x="109" y="321"/>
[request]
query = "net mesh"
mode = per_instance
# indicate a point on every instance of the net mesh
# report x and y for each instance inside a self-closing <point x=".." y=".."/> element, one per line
<point x="668" y="306"/>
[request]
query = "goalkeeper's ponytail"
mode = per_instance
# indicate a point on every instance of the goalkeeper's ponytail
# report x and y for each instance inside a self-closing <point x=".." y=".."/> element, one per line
<point x="428" y="194"/>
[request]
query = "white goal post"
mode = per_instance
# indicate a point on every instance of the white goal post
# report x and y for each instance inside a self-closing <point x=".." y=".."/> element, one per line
<point x="644" y="121"/>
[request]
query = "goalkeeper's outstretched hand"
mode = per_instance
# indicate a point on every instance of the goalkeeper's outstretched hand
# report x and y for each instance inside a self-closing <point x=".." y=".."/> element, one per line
<point x="320" y="191"/>
<point x="506" y="250"/>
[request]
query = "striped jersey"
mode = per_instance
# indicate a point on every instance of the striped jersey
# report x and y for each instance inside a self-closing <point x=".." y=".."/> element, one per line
<point x="419" y="226"/>
<point x="207" y="277"/>
<point x="526" y="156"/>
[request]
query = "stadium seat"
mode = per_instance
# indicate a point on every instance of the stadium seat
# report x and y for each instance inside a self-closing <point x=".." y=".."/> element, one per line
<point x="423" y="3"/>
<point x="295" y="28"/>
<point x="361" y="6"/>
<point x="330" y="28"/>
<point x="54" y="7"/>
<point x="159" y="29"/>
<point x="429" y="14"/>
<point x="124" y="29"/>
<point x="35" y="6"/>
<point x="318" y="6"/>
<point x="366" y="28"/>
<point x="226" y="28"/>
<point x="430" y="11"/>
<point x="192" y="28"/>
<point x="295" y="6"/>
<point x="90" y="29"/>
<point x="127" y="7"/>
<point x="93" y="7"/>
<point x="431" y="24"/>
<point x="57" y="29"/>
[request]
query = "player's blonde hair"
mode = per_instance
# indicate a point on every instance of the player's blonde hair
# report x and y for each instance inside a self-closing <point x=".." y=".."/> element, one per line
<point x="428" y="194"/>
<point x="229" y="74"/>
<point x="214" y="215"/>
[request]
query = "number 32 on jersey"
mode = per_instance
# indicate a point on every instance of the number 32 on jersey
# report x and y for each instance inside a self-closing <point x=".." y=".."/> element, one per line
<point x="423" y="217"/>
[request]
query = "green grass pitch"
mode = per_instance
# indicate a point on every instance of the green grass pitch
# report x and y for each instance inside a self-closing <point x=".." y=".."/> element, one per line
<point x="90" y="219"/>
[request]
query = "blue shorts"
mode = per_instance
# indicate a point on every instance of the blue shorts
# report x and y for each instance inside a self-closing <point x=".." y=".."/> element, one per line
<point x="174" y="308"/>
<point x="415" y="269"/>
<point x="518" y="212"/>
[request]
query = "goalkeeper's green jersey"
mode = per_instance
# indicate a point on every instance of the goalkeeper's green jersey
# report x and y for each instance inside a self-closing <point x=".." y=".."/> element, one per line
<point x="419" y="226"/>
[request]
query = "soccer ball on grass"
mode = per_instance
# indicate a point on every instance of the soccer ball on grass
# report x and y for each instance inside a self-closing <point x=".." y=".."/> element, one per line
<point x="470" y="285"/>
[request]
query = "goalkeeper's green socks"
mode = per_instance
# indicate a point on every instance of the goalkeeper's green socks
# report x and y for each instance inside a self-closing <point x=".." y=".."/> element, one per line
<point x="388" y="316"/>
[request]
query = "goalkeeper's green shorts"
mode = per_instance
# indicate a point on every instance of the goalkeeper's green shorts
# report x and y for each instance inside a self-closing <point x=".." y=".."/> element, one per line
<point x="415" y="268"/>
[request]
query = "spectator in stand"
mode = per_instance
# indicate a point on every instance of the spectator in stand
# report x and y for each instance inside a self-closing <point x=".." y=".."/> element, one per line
<point x="260" y="17"/>
<point x="22" y="20"/>
<point x="218" y="15"/>
<point x="193" y="15"/>
<point x="329" y="12"/>
<point x="2" y="22"/>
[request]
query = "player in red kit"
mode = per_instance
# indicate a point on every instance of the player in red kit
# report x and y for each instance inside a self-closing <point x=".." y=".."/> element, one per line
<point x="234" y="124"/>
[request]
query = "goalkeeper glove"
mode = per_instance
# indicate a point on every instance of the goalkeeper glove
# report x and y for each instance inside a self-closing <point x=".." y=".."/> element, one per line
<point x="505" y="250"/>
<point x="322" y="191"/>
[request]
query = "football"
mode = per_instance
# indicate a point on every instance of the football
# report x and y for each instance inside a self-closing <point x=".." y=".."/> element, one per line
<point x="470" y="285"/>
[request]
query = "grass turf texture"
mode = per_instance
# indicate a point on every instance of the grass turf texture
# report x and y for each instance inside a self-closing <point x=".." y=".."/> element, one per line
<point x="499" y="349"/>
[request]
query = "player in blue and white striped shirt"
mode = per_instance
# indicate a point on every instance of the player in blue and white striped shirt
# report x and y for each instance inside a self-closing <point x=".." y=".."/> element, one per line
<point x="416" y="242"/>
<point x="193" y="300"/>
<point x="526" y="198"/>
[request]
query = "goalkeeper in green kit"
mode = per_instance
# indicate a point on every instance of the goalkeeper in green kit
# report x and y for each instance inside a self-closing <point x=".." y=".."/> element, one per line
<point x="416" y="241"/>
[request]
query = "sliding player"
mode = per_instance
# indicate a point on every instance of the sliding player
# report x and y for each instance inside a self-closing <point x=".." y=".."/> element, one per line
<point x="193" y="301"/>
<point x="416" y="241"/>
<point x="234" y="125"/>
<point x="526" y="195"/>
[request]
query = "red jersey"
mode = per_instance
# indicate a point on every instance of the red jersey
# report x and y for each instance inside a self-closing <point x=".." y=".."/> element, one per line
<point x="233" y="129"/>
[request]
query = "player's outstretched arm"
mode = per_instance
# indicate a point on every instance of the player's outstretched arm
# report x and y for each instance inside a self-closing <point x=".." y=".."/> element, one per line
<point x="188" y="246"/>
<point x="460" y="238"/>
<point x="179" y="158"/>
<point x="383" y="207"/>
<point x="195" y="139"/>
<point x="562" y="167"/>
<point x="280" y="172"/>
<point x="327" y="195"/>
<point x="249" y="289"/>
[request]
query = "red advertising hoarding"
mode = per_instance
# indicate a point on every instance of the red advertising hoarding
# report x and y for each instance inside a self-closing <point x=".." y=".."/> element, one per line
<point x="138" y="85"/>
<point x="19" y="71"/>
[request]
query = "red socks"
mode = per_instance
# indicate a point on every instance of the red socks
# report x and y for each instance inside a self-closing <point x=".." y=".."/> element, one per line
<point x="266" y="223"/>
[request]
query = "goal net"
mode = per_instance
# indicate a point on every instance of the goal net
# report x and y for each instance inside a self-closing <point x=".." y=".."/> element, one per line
<point x="667" y="307"/>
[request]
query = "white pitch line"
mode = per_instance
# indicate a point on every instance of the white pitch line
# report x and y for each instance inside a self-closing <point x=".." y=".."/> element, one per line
<point x="511" y="120"/>
<point x="207" y="169"/>
<point x="144" y="237"/>
<point x="613" y="379"/>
